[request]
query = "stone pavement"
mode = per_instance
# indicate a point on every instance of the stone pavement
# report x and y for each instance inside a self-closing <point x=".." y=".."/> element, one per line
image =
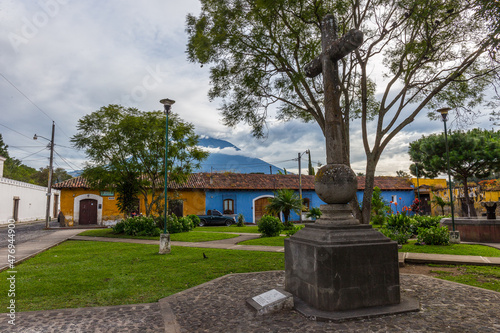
<point x="220" y="305"/>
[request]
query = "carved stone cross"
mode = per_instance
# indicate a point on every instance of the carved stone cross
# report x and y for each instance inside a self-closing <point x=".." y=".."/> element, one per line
<point x="333" y="50"/>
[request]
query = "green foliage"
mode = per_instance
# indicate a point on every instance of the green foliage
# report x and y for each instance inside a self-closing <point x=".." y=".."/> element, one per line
<point x="438" y="201"/>
<point x="398" y="228"/>
<point x="240" y="220"/>
<point x="195" y="219"/>
<point x="380" y="209"/>
<point x="123" y="152"/>
<point x="178" y="224"/>
<point x="314" y="213"/>
<point x="474" y="153"/>
<point x="291" y="231"/>
<point x="395" y="235"/>
<point x="137" y="226"/>
<point x="423" y="221"/>
<point x="270" y="226"/>
<point x="284" y="201"/>
<point x="16" y="170"/>
<point x="434" y="236"/>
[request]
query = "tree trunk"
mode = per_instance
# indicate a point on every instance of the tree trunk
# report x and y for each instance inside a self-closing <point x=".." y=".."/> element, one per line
<point x="368" y="192"/>
<point x="470" y="205"/>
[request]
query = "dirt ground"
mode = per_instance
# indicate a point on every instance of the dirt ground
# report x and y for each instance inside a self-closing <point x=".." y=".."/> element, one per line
<point x="426" y="270"/>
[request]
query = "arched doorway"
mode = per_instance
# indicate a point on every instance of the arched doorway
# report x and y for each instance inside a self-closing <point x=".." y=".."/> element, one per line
<point x="88" y="211"/>
<point x="259" y="207"/>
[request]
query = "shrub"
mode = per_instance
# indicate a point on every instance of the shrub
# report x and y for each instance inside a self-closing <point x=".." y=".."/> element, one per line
<point x="398" y="228"/>
<point x="270" y="226"/>
<point x="314" y="213"/>
<point x="174" y="226"/>
<point x="195" y="219"/>
<point x="186" y="222"/>
<point x="241" y="220"/>
<point x="400" y="237"/>
<point x="137" y="226"/>
<point x="291" y="231"/>
<point x="434" y="236"/>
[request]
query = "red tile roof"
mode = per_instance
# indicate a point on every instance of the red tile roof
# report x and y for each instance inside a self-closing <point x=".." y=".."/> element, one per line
<point x="239" y="181"/>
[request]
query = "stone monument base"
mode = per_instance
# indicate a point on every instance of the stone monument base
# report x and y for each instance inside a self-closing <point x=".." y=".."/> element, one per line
<point x="342" y="266"/>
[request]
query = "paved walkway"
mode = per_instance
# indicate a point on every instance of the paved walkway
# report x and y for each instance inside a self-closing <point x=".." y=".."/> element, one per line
<point x="220" y="305"/>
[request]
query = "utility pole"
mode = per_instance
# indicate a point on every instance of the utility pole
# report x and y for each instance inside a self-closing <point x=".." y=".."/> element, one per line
<point x="49" y="185"/>
<point x="300" y="182"/>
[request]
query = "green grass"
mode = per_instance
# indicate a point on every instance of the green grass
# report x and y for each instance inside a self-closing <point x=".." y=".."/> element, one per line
<point x="487" y="277"/>
<point x="268" y="241"/>
<point x="87" y="274"/>
<point x="192" y="236"/>
<point x="233" y="228"/>
<point x="457" y="249"/>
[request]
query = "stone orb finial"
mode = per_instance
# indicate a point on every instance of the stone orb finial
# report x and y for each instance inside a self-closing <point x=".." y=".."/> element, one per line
<point x="336" y="183"/>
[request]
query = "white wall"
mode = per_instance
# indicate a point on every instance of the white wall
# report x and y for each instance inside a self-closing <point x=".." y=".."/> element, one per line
<point x="32" y="200"/>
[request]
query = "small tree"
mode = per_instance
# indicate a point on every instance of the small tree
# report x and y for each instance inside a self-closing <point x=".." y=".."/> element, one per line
<point x="285" y="201"/>
<point x="438" y="201"/>
<point x="126" y="148"/>
<point x="379" y="207"/>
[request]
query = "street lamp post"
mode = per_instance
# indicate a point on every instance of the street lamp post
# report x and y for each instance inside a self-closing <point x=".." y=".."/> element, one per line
<point x="454" y="235"/>
<point x="49" y="185"/>
<point x="165" y="237"/>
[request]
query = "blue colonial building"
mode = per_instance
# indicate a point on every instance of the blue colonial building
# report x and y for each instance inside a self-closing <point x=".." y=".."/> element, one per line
<point x="248" y="194"/>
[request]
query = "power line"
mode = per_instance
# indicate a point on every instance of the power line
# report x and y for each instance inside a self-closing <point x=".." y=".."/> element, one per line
<point x="13" y="85"/>
<point x="32" y="154"/>
<point x="45" y="113"/>
<point x="13" y="130"/>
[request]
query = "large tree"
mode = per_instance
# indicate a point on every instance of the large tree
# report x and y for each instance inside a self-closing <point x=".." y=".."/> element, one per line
<point x="431" y="52"/>
<point x="475" y="153"/>
<point x="126" y="149"/>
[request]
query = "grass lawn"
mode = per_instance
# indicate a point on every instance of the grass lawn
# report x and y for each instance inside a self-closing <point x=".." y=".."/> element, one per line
<point x="268" y="241"/>
<point x="457" y="249"/>
<point x="88" y="274"/>
<point x="192" y="236"/>
<point x="487" y="277"/>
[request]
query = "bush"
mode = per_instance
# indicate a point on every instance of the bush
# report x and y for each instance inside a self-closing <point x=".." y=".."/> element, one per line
<point x="398" y="236"/>
<point x="314" y="213"/>
<point x="195" y="219"/>
<point x="270" y="226"/>
<point x="434" y="236"/>
<point x="186" y="222"/>
<point x="137" y="226"/>
<point x="241" y="220"/>
<point x="292" y="231"/>
<point x="174" y="226"/>
<point x="424" y="222"/>
<point x="398" y="228"/>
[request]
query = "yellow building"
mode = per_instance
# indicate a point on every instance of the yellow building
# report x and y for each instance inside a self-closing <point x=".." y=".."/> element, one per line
<point x="427" y="189"/>
<point x="478" y="193"/>
<point x="82" y="205"/>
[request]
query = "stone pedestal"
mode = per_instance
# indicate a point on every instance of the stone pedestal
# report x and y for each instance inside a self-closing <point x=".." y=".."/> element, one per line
<point x="164" y="244"/>
<point x="341" y="266"/>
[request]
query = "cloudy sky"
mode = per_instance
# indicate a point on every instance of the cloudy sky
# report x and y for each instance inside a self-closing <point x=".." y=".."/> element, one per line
<point x="63" y="59"/>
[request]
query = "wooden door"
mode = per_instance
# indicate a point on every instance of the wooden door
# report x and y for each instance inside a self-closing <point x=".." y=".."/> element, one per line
<point x="88" y="211"/>
<point x="260" y="208"/>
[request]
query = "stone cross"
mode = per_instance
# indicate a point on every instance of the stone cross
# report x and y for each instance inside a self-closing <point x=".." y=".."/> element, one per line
<point x="333" y="49"/>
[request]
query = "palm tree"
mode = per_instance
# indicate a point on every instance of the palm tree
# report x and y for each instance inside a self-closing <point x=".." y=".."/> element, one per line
<point x="285" y="201"/>
<point x="438" y="201"/>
